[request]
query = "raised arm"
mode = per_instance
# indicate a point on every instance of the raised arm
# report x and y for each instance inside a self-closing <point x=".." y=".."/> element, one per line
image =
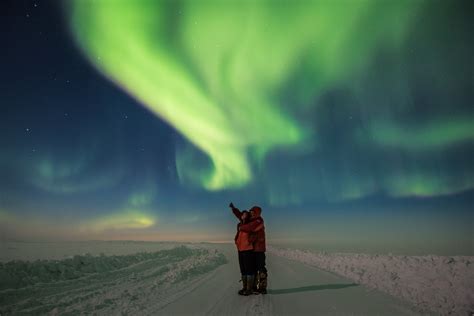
<point x="236" y="211"/>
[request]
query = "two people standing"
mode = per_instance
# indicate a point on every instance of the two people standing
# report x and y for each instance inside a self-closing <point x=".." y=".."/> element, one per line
<point x="250" y="242"/>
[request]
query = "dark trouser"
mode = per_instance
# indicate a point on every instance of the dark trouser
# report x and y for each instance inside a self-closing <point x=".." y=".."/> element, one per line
<point x="260" y="261"/>
<point x="247" y="262"/>
<point x="261" y="276"/>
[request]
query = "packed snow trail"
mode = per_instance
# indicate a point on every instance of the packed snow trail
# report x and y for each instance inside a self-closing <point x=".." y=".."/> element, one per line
<point x="293" y="289"/>
<point x="196" y="279"/>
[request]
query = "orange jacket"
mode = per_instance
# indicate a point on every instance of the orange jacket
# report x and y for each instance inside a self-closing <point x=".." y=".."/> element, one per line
<point x="242" y="240"/>
<point x="255" y="226"/>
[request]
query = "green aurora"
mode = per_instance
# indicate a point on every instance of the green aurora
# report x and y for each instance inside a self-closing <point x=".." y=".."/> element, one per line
<point x="215" y="69"/>
<point x="239" y="79"/>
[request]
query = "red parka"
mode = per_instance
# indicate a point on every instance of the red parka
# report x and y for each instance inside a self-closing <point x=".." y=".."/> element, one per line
<point x="243" y="239"/>
<point x="255" y="226"/>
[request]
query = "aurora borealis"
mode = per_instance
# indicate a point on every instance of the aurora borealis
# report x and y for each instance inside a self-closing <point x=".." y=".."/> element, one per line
<point x="144" y="118"/>
<point x="184" y="64"/>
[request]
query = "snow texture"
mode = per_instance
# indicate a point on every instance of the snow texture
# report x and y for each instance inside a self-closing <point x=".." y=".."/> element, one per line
<point x="140" y="283"/>
<point x="440" y="284"/>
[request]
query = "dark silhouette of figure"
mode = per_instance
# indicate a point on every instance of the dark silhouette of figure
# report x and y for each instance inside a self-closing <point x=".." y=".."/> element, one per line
<point x="256" y="230"/>
<point x="243" y="241"/>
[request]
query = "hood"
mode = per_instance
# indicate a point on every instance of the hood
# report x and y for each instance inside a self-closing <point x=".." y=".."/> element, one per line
<point x="257" y="210"/>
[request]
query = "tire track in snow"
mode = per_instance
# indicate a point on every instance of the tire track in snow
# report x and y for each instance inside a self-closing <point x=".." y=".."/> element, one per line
<point x="142" y="287"/>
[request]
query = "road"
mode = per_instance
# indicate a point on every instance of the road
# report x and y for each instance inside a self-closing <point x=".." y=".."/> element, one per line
<point x="293" y="289"/>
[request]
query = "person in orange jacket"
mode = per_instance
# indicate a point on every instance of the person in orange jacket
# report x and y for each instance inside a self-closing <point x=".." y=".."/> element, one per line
<point x="243" y="241"/>
<point x="257" y="226"/>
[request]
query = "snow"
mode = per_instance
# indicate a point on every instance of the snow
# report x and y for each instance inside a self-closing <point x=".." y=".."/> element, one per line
<point x="136" y="283"/>
<point x="166" y="278"/>
<point x="294" y="289"/>
<point x="441" y="284"/>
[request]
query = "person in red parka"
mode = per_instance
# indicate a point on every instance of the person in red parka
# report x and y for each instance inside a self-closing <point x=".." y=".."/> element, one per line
<point x="256" y="226"/>
<point x="243" y="241"/>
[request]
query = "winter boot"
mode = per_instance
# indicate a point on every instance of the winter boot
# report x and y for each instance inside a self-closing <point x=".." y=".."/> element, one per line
<point x="255" y="284"/>
<point x="249" y="288"/>
<point x="262" y="282"/>
<point x="244" y="285"/>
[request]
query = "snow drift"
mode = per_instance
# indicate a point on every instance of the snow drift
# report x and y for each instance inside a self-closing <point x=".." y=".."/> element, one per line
<point x="440" y="284"/>
<point x="136" y="283"/>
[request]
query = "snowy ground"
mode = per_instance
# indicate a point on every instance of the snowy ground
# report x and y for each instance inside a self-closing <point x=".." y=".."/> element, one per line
<point x="140" y="283"/>
<point x="294" y="289"/>
<point x="195" y="279"/>
<point x="441" y="284"/>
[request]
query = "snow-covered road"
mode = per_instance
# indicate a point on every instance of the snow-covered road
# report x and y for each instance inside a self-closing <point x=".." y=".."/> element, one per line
<point x="294" y="289"/>
<point x="169" y="279"/>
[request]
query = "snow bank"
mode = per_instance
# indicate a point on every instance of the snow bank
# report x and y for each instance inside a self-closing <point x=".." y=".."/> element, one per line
<point x="137" y="283"/>
<point x="440" y="284"/>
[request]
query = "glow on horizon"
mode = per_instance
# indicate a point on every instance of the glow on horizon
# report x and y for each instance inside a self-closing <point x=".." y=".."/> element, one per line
<point x="122" y="220"/>
<point x="37" y="225"/>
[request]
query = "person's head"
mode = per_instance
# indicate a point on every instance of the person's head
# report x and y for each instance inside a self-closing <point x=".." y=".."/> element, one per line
<point x="255" y="211"/>
<point x="245" y="216"/>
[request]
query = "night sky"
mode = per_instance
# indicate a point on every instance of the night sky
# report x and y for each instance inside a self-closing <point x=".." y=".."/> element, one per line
<point x="349" y="122"/>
